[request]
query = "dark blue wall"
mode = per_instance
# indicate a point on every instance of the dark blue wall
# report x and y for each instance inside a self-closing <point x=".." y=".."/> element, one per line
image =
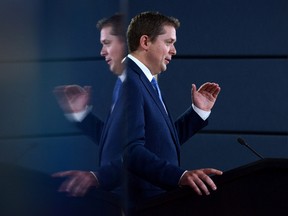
<point x="242" y="45"/>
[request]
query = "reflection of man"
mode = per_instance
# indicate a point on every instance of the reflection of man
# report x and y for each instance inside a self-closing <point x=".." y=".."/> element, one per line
<point x="74" y="100"/>
<point x="152" y="139"/>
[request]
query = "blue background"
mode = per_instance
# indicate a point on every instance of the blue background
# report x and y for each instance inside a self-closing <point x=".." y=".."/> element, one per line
<point x="242" y="45"/>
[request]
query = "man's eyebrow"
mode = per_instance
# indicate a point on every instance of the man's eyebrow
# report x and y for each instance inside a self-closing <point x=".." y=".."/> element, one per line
<point x="171" y="40"/>
<point x="105" y="40"/>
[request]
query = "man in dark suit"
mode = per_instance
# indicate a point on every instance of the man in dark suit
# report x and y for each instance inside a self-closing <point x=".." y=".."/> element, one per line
<point x="74" y="100"/>
<point x="27" y="192"/>
<point x="152" y="139"/>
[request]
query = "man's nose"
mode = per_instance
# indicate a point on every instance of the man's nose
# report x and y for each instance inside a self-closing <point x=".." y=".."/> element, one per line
<point x="103" y="52"/>
<point x="173" y="50"/>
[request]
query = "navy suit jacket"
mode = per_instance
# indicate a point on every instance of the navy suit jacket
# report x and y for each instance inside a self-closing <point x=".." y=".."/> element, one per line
<point x="151" y="139"/>
<point x="107" y="135"/>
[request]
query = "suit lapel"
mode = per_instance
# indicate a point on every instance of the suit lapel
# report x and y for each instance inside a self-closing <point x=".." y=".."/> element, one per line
<point x="109" y="120"/>
<point x="103" y="136"/>
<point x="156" y="99"/>
<point x="148" y="86"/>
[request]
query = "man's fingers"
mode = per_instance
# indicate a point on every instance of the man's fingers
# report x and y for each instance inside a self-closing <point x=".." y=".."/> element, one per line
<point x="59" y="92"/>
<point x="216" y="92"/>
<point x="209" y="182"/>
<point x="200" y="181"/>
<point x="211" y="171"/>
<point x="59" y="88"/>
<point x="72" y="90"/>
<point x="77" y="183"/>
<point x="194" y="186"/>
<point x="88" y="89"/>
<point x="80" y="188"/>
<point x="63" y="174"/>
<point x="208" y="86"/>
<point x="70" y="186"/>
<point x="205" y="176"/>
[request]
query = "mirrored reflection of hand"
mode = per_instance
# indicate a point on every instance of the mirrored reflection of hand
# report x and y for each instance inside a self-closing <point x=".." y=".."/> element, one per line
<point x="77" y="183"/>
<point x="72" y="98"/>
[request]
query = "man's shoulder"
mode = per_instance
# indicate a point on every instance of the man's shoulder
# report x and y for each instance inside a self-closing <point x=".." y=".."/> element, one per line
<point x="132" y="75"/>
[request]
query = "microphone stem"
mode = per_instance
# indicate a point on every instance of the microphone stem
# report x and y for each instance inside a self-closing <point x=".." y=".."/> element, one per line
<point x="256" y="153"/>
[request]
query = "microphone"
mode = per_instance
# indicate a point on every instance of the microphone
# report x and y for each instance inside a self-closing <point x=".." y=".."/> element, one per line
<point x="242" y="142"/>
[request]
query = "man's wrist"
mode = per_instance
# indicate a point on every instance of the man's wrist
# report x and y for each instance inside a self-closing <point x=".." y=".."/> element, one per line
<point x="202" y="113"/>
<point x="95" y="176"/>
<point x="78" y="116"/>
<point x="179" y="182"/>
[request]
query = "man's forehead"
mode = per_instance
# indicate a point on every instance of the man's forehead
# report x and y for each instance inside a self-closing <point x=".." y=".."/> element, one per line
<point x="169" y="31"/>
<point x="169" y="28"/>
<point x="106" y="30"/>
<point x="105" y="33"/>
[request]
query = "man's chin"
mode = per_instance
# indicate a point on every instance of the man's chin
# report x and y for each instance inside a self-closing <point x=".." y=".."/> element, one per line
<point x="111" y="68"/>
<point x="164" y="68"/>
<point x="115" y="72"/>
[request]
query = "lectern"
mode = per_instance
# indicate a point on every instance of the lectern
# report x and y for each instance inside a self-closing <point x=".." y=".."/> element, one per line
<point x="259" y="188"/>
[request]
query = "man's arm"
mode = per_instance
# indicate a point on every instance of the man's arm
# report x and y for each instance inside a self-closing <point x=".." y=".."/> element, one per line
<point x="195" y="118"/>
<point x="188" y="124"/>
<point x="78" y="182"/>
<point x="92" y="127"/>
<point x="73" y="100"/>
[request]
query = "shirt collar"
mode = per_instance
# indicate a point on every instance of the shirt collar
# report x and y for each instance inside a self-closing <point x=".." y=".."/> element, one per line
<point x="122" y="77"/>
<point x="144" y="69"/>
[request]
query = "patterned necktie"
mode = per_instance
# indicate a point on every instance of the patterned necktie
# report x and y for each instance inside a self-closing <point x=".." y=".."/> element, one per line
<point x="157" y="89"/>
<point x="116" y="92"/>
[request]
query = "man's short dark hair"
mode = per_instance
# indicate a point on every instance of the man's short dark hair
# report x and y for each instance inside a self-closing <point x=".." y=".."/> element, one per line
<point x="150" y="24"/>
<point x="116" y="22"/>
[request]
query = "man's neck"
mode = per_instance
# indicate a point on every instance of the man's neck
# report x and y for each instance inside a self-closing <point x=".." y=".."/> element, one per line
<point x="142" y="66"/>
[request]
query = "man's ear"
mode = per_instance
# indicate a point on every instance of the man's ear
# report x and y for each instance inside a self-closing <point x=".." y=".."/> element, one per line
<point x="145" y="42"/>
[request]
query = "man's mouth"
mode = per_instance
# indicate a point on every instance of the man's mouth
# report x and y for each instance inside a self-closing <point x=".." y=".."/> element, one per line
<point x="167" y="60"/>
